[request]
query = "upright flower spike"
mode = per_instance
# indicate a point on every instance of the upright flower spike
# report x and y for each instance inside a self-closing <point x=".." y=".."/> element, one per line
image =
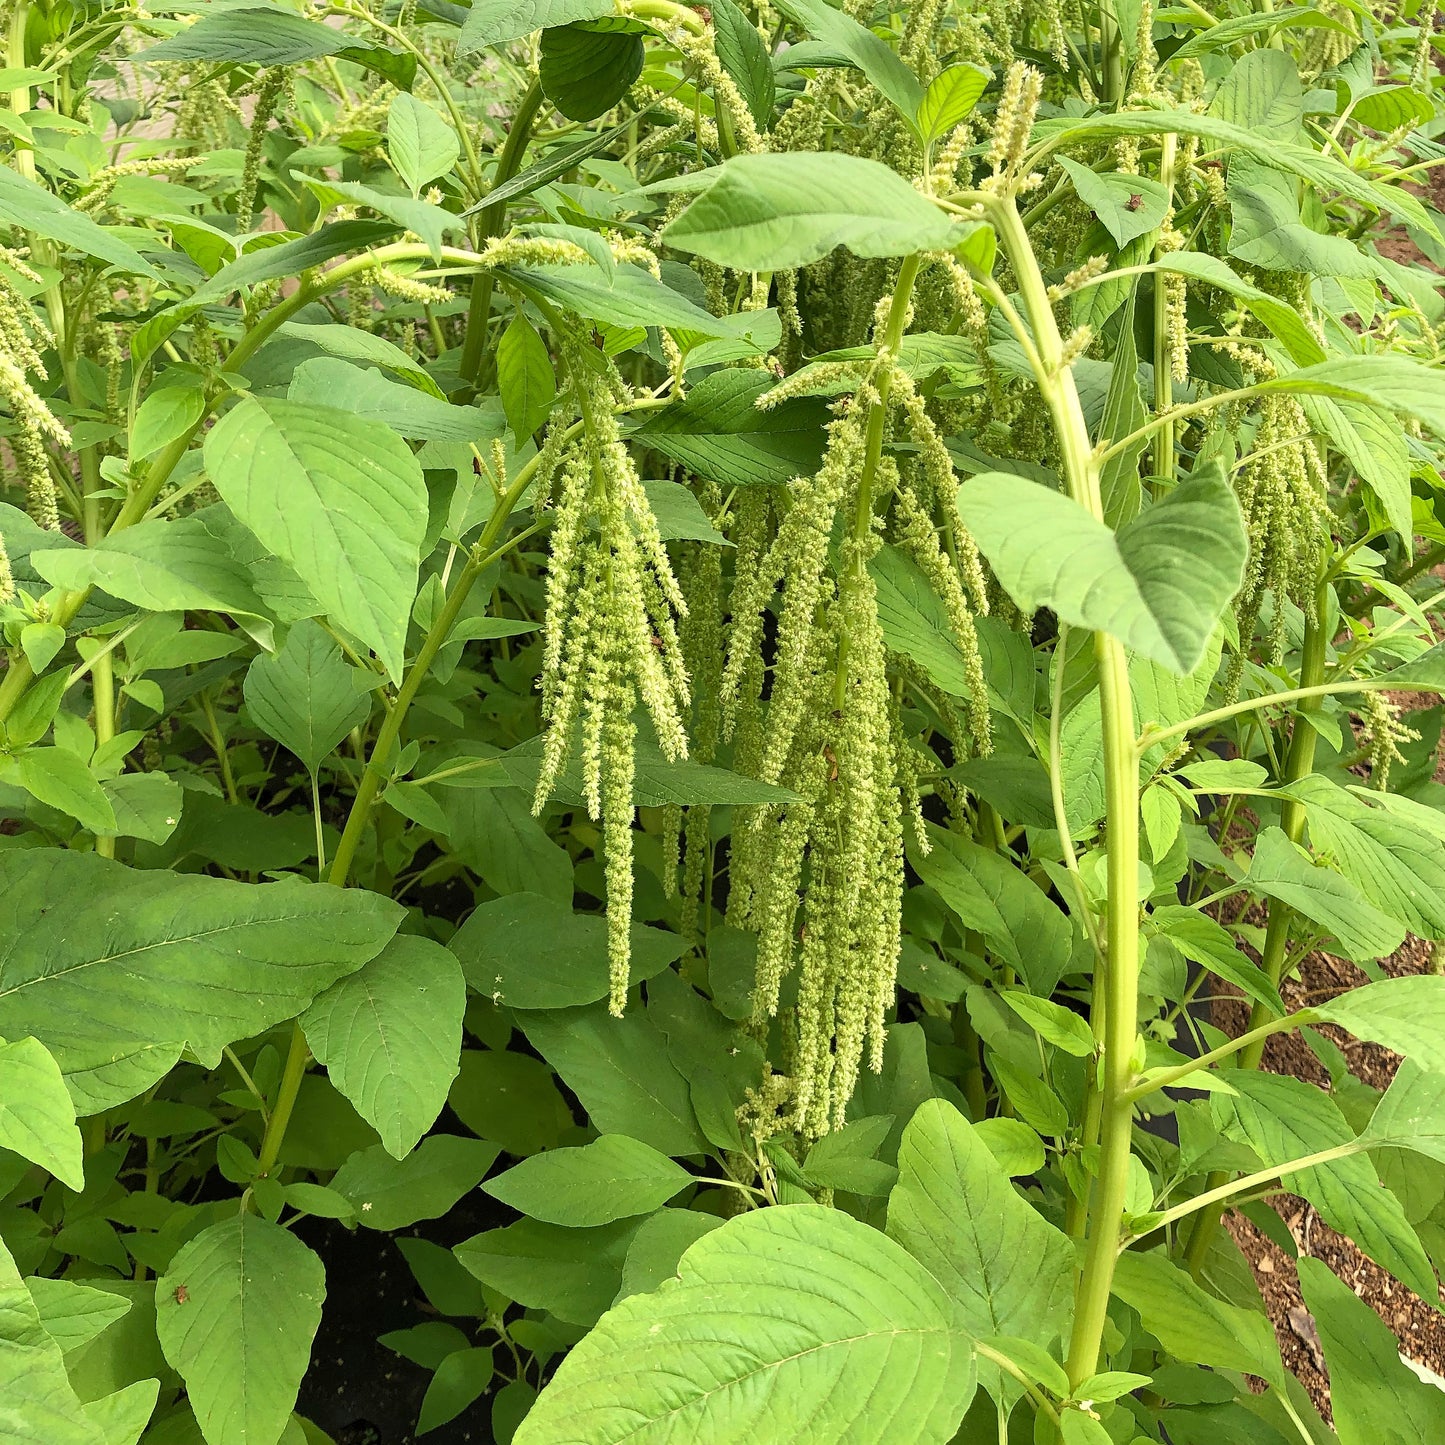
<point x="269" y="95"/>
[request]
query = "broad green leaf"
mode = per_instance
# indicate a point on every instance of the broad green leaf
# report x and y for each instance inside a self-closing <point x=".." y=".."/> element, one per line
<point x="587" y="67"/>
<point x="572" y="1273"/>
<point x="38" y="1406"/>
<point x="332" y="381"/>
<point x="166" y="415"/>
<point x="390" y="1193"/>
<point x="1405" y="1014"/>
<point x="621" y="1072"/>
<point x="950" y="99"/>
<point x="305" y="695"/>
<point x="1284" y="871"/>
<point x="123" y="1415"/>
<point x="957" y="1213"/>
<point x="74" y="1314"/>
<point x="1374" y="446"/>
<point x="339" y="498"/>
<point x="494" y="832"/>
<point x="255" y="35"/>
<point x="236" y="1313"/>
<point x="611" y="1178"/>
<point x="422" y="145"/>
<point x="1397" y="865"/>
<point x="1192" y="1325"/>
<point x="1128" y="206"/>
<point x="58" y="777"/>
<point x="1017" y="1148"/>
<point x="458" y="1380"/>
<point x="31" y="207"/>
<point x="1018" y="920"/>
<point x="37" y="1116"/>
<point x="1267" y="230"/>
<point x="525" y="377"/>
<point x="229" y="959"/>
<point x="744" y="55"/>
<point x="841" y="33"/>
<point x="628" y="296"/>
<point x="845" y="1158"/>
<point x="776" y="211"/>
<point x="162" y="566"/>
<point x="1395" y="384"/>
<point x="1159" y="584"/>
<point x="796" y="1324"/>
<point x="495" y="22"/>
<point x="679" y="514"/>
<point x="432" y="223"/>
<point x="1054" y="1023"/>
<point x="718" y="433"/>
<point x="365" y="348"/>
<point x="390" y="1036"/>
<point x="1203" y="941"/>
<point x="1229" y="31"/>
<point x="1262" y="94"/>
<point x="1285" y="1119"/>
<point x="511" y="1099"/>
<point x="660" y="1242"/>
<point x="1412" y="1113"/>
<point x="1374" y="1396"/>
<point x="1388" y="107"/>
<point x="530" y="952"/>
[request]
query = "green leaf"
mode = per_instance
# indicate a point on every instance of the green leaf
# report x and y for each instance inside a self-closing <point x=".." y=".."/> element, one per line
<point x="1412" y="1113"/>
<point x="1262" y="94"/>
<point x="717" y="432"/>
<point x="162" y="566"/>
<point x="30" y="207"/>
<point x="1267" y="229"/>
<point x="339" y="498"/>
<point x="38" y="1405"/>
<point x="1054" y="1023"/>
<point x="459" y="1379"/>
<point x="530" y="952"/>
<point x="844" y="1159"/>
<point x="510" y="1099"/>
<point x="1397" y="865"/>
<point x="795" y="1324"/>
<point x="430" y="222"/>
<point x="780" y="210"/>
<point x="621" y="1072"/>
<point x="587" y="67"/>
<point x="1227" y="32"/>
<point x="229" y="959"/>
<point x="166" y="415"/>
<point x="390" y="1193"/>
<point x="236" y="1313"/>
<point x="842" y="34"/>
<point x="525" y="377"/>
<point x="1284" y="871"/>
<point x="657" y="1247"/>
<point x="628" y="296"/>
<point x="1128" y="206"/>
<point x="679" y="514"/>
<point x="1159" y="584"/>
<point x="572" y="1273"/>
<point x="349" y="343"/>
<point x="74" y="1314"/>
<point x="1192" y="1325"/>
<point x="146" y="805"/>
<point x="1387" y="107"/>
<point x="1017" y="1148"/>
<point x="1374" y="446"/>
<point x="390" y="1036"/>
<point x="988" y="894"/>
<point x="59" y="778"/>
<point x="422" y="145"/>
<point x="1372" y="1390"/>
<point x="305" y="695"/>
<point x="1405" y="1014"/>
<point x="408" y="410"/>
<point x="1285" y="1119"/>
<point x="950" y="99"/>
<point x="1203" y="941"/>
<point x="611" y="1178"/>
<point x="37" y="1116"/>
<point x="957" y="1213"/>
<point x="744" y="55"/>
<point x="495" y="22"/>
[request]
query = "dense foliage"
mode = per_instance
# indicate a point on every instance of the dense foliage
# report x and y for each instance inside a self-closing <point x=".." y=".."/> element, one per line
<point x="719" y="624"/>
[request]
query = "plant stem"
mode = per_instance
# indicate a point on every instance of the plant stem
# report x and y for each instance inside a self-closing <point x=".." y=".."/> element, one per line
<point x="1116" y="993"/>
<point x="489" y="224"/>
<point x="1299" y="763"/>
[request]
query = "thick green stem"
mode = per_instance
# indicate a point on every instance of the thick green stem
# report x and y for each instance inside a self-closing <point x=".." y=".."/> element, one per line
<point x="489" y="224"/>
<point x="1299" y="763"/>
<point x="1116" y="992"/>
